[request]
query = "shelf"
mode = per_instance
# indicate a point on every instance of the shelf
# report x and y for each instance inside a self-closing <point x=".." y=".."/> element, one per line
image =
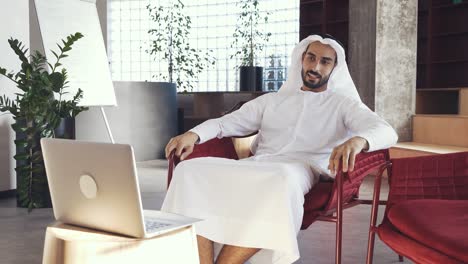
<point x="311" y="2"/>
<point x="312" y="24"/>
<point x="450" y="100"/>
<point x="341" y="21"/>
<point x="445" y="34"/>
<point x="465" y="4"/>
<point x="443" y="62"/>
<point x="439" y="89"/>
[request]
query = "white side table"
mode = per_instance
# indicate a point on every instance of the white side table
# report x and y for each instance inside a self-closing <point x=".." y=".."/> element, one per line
<point x="67" y="244"/>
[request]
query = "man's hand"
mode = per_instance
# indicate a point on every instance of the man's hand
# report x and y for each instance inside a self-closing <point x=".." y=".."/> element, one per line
<point x="347" y="152"/>
<point x="182" y="143"/>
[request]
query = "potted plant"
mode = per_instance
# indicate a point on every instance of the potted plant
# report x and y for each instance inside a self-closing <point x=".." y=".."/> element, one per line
<point x="249" y="40"/>
<point x="37" y="110"/>
<point x="170" y="40"/>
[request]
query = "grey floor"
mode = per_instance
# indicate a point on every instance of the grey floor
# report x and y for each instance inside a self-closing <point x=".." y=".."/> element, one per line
<point x="22" y="234"/>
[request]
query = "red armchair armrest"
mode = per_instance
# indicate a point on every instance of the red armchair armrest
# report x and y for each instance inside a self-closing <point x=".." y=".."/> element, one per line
<point x="221" y="148"/>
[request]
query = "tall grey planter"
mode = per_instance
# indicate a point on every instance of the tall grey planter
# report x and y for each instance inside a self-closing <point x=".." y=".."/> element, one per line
<point x="145" y="117"/>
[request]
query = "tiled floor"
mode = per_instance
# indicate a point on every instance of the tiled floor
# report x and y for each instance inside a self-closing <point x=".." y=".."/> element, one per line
<point x="22" y="234"/>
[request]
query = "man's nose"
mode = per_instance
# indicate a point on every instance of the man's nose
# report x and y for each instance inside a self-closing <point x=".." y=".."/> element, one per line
<point x="316" y="67"/>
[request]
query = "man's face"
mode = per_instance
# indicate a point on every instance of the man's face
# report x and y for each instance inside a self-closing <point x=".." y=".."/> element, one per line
<point x="318" y="62"/>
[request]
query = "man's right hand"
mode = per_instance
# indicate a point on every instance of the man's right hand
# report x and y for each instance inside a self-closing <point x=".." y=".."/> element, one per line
<point x="183" y="144"/>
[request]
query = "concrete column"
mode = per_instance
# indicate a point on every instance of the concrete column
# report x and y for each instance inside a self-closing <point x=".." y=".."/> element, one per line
<point x="383" y="41"/>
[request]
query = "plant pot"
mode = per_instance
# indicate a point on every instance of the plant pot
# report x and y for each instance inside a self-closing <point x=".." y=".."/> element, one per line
<point x="251" y="78"/>
<point x="66" y="129"/>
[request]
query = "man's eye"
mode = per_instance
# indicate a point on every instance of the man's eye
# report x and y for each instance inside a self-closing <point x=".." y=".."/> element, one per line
<point x="325" y="62"/>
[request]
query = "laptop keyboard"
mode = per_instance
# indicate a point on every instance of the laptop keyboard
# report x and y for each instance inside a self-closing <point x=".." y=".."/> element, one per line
<point x="152" y="225"/>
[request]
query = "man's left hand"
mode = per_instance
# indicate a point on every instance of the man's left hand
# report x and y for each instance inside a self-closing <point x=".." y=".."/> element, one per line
<point x="347" y="153"/>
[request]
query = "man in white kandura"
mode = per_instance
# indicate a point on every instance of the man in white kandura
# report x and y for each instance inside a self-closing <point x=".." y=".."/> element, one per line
<point x="252" y="208"/>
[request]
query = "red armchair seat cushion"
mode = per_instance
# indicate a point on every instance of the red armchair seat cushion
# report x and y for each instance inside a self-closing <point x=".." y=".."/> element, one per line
<point x="438" y="224"/>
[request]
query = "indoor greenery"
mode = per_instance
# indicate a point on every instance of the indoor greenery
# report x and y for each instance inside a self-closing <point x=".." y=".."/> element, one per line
<point x="249" y="40"/>
<point x="170" y="40"/>
<point x="37" y="110"/>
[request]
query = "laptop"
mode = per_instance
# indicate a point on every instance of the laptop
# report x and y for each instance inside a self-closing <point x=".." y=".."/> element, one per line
<point x="95" y="185"/>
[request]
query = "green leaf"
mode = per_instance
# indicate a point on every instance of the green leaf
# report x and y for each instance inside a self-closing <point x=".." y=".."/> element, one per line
<point x="21" y="156"/>
<point x="55" y="54"/>
<point x="57" y="80"/>
<point x="22" y="143"/>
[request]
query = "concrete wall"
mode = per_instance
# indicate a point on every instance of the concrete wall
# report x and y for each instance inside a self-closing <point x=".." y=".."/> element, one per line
<point x="395" y="80"/>
<point x="145" y="117"/>
<point x="383" y="42"/>
<point x="13" y="21"/>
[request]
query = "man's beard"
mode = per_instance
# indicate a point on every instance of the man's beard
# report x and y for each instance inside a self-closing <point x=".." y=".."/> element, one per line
<point x="322" y="80"/>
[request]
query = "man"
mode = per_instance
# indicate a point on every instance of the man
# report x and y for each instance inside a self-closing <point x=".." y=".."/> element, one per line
<point x="252" y="208"/>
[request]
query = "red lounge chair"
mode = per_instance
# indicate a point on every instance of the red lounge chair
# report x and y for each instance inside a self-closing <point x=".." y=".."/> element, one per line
<point x="326" y="200"/>
<point x="426" y="217"/>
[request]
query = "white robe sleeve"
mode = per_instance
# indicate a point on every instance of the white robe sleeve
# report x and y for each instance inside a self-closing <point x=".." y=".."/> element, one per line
<point x="362" y="122"/>
<point x="241" y="122"/>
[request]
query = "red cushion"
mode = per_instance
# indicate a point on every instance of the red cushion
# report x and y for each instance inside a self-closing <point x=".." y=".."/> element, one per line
<point x="315" y="201"/>
<point x="318" y="196"/>
<point x="438" y="224"/>
<point x="410" y="248"/>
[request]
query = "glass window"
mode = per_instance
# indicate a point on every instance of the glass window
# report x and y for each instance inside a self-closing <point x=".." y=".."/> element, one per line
<point x="213" y="24"/>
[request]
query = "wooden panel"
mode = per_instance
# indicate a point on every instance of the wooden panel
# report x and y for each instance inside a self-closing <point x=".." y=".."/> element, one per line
<point x="450" y="74"/>
<point x="311" y="17"/>
<point x="449" y="130"/>
<point x="449" y="17"/>
<point x="324" y="16"/>
<point x="442" y="38"/>
<point x="450" y="47"/>
<point x="209" y="105"/>
<point x="437" y="102"/>
<point x="463" y="109"/>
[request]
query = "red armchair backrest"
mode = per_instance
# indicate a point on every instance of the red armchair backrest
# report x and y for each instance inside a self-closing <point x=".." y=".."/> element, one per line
<point x="442" y="176"/>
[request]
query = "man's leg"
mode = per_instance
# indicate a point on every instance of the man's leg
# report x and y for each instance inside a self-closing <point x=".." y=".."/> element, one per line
<point x="205" y="250"/>
<point x="235" y="255"/>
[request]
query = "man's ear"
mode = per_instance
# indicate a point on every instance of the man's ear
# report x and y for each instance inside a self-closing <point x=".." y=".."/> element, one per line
<point x="303" y="55"/>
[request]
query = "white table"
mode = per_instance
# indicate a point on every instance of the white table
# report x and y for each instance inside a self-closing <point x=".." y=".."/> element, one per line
<point x="67" y="244"/>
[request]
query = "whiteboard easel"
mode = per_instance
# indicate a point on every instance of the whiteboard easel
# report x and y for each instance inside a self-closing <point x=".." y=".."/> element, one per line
<point x="87" y="64"/>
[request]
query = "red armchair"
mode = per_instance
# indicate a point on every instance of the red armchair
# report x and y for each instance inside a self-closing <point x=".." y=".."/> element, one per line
<point x="426" y="217"/>
<point x="326" y="200"/>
